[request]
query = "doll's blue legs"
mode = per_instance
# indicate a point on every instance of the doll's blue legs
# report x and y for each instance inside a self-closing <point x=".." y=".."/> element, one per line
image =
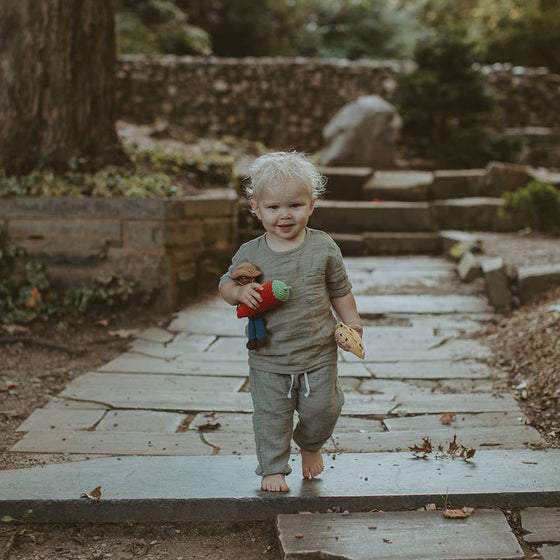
<point x="256" y="332"/>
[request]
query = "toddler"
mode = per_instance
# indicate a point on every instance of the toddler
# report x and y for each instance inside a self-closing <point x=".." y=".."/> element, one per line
<point x="296" y="370"/>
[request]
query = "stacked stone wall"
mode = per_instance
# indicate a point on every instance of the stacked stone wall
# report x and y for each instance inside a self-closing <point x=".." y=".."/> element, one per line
<point x="180" y="247"/>
<point x="286" y="102"/>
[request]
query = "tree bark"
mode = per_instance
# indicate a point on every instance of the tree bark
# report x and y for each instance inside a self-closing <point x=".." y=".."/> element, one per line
<point x="57" y="84"/>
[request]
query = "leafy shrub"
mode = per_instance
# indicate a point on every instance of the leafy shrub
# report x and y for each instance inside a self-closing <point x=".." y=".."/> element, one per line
<point x="536" y="205"/>
<point x="447" y="113"/>
<point x="27" y="295"/>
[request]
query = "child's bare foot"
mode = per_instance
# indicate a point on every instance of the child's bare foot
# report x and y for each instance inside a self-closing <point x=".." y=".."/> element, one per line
<point x="311" y="463"/>
<point x="274" y="483"/>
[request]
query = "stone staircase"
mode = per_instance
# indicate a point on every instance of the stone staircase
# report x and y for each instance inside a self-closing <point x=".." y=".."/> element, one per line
<point x="401" y="212"/>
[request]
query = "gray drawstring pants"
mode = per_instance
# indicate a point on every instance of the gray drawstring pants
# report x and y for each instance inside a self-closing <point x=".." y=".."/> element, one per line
<point x="316" y="396"/>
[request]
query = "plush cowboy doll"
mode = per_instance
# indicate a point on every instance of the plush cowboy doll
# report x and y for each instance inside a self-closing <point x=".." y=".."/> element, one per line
<point x="273" y="293"/>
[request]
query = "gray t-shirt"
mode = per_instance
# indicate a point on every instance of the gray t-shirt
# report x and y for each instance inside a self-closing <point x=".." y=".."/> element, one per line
<point x="301" y="330"/>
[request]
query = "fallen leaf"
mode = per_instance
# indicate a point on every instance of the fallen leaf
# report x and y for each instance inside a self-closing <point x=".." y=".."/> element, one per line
<point x="208" y="427"/>
<point x="447" y="418"/>
<point x="458" y="513"/>
<point x="389" y="541"/>
<point x="530" y="462"/>
<point x="373" y="527"/>
<point x="453" y="447"/>
<point x="102" y="322"/>
<point x="94" y="495"/>
<point x="35" y="298"/>
<point x="425" y="447"/>
<point x="430" y="507"/>
<point x="12" y="384"/>
<point x="298" y="536"/>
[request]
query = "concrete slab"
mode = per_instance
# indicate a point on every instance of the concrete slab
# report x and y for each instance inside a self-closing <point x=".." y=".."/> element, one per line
<point x="112" y="443"/>
<point x="386" y="350"/>
<point x="467" y="385"/>
<point x="213" y="316"/>
<point x="154" y="349"/>
<point x="136" y="363"/>
<point x="355" y="369"/>
<point x="397" y="243"/>
<point x="155" y="334"/>
<point x="478" y="402"/>
<point x="550" y="552"/>
<point x="430" y="369"/>
<point x="428" y="422"/>
<point x="366" y="405"/>
<point x="194" y="488"/>
<point x="59" y="403"/>
<point x="407" y="535"/>
<point x="349" y="384"/>
<point x="187" y="342"/>
<point x="103" y="387"/>
<point x="409" y="304"/>
<point x="230" y="348"/>
<point x="61" y="419"/>
<point x="147" y="421"/>
<point x="543" y="524"/>
<point x="499" y="437"/>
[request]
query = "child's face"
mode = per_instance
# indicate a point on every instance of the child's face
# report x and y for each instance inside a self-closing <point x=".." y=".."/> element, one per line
<point x="284" y="212"/>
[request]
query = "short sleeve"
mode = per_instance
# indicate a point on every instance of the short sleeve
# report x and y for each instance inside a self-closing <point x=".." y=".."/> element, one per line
<point x="338" y="283"/>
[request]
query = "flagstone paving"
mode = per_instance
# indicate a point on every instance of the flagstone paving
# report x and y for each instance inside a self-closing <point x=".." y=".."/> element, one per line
<point x="161" y="423"/>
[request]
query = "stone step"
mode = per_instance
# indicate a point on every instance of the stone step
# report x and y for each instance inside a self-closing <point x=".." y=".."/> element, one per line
<point x="154" y="489"/>
<point x="410" y="186"/>
<point x="406" y="535"/>
<point x="345" y="183"/>
<point x="461" y="183"/>
<point x="388" y="243"/>
<point x="471" y="214"/>
<point x="336" y="216"/>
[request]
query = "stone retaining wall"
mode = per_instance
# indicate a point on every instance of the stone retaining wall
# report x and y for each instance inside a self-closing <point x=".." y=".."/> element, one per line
<point x="179" y="246"/>
<point x="286" y="102"/>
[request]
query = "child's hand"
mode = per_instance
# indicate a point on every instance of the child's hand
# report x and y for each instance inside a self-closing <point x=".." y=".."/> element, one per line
<point x="249" y="295"/>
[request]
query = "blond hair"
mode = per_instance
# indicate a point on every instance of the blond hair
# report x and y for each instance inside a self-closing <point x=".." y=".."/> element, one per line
<point x="278" y="168"/>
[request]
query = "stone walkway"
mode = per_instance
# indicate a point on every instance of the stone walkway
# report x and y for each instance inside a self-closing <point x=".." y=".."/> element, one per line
<point x="158" y="426"/>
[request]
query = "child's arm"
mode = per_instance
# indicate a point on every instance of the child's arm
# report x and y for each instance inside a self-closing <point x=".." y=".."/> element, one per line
<point x="234" y="294"/>
<point x="347" y="311"/>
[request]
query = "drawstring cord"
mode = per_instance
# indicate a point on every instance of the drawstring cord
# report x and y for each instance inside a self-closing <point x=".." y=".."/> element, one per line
<point x="293" y="377"/>
<point x="307" y="389"/>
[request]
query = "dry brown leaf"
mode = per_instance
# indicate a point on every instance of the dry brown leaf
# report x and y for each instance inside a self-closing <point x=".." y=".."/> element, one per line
<point x="102" y="322"/>
<point x="387" y="541"/>
<point x="424" y="447"/>
<point x="94" y="495"/>
<point x="209" y="426"/>
<point x="458" y="513"/>
<point x="298" y="536"/>
<point x="35" y="298"/>
<point x="372" y="527"/>
<point x="447" y="418"/>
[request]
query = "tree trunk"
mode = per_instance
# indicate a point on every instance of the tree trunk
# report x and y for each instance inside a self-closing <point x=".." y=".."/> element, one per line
<point x="57" y="84"/>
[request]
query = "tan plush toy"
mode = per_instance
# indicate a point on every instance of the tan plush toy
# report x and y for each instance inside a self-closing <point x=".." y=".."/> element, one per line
<point x="349" y="340"/>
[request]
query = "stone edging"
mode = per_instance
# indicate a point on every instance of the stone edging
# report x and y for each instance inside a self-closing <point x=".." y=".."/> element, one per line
<point x="504" y="285"/>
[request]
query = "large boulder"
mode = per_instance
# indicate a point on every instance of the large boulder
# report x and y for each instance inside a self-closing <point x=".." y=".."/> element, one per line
<point x="362" y="134"/>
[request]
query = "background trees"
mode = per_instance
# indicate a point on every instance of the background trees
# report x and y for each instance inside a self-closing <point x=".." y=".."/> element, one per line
<point x="56" y="98"/>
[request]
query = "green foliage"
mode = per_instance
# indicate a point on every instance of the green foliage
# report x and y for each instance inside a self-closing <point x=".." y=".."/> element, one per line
<point x="536" y="205"/>
<point x="157" y="27"/>
<point x="523" y="32"/>
<point x="447" y="113"/>
<point x="155" y="173"/>
<point x="27" y="295"/>
<point x="326" y="28"/>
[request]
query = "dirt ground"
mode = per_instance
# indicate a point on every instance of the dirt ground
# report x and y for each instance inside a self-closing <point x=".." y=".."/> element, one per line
<point x="36" y="365"/>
